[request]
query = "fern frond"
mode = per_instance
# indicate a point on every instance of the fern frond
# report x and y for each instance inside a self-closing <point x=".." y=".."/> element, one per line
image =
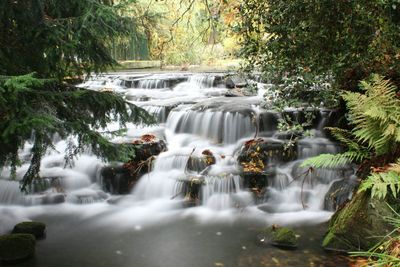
<point x="326" y="161"/>
<point x="345" y="137"/>
<point x="376" y="115"/>
<point x="335" y="160"/>
<point x="380" y="182"/>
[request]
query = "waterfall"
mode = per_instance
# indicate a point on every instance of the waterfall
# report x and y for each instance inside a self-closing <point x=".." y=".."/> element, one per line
<point x="204" y="128"/>
<point x="202" y="81"/>
<point x="152" y="84"/>
<point x="217" y="192"/>
<point x="10" y="192"/>
<point x="217" y="126"/>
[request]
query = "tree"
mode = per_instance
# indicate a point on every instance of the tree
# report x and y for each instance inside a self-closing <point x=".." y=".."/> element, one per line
<point x="349" y="39"/>
<point x="43" y="43"/>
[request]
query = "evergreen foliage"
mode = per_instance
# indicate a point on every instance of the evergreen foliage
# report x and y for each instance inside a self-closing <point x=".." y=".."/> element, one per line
<point x="58" y="38"/>
<point x="43" y="43"/>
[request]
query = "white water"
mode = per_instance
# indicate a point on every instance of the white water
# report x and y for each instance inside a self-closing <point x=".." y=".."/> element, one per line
<point x="192" y="116"/>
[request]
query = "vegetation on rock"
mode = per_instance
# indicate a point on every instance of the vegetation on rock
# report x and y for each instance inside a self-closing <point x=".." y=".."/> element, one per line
<point x="16" y="247"/>
<point x="281" y="236"/>
<point x="34" y="228"/>
<point x="359" y="225"/>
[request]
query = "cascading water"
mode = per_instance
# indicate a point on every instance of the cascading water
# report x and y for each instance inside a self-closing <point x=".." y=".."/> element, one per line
<point x="220" y="125"/>
<point x="203" y="81"/>
<point x="205" y="133"/>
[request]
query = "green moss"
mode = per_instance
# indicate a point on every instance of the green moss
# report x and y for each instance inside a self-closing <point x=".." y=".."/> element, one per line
<point x="284" y="235"/>
<point x="16" y="247"/>
<point x="358" y="225"/>
<point x="35" y="228"/>
<point x="281" y="237"/>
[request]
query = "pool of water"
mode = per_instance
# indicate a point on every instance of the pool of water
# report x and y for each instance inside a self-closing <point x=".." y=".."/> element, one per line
<point x="73" y="240"/>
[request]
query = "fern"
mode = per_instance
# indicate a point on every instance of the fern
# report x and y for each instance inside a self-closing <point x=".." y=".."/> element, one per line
<point x="326" y="161"/>
<point x="335" y="160"/>
<point x="375" y="116"/>
<point x="345" y="137"/>
<point x="379" y="182"/>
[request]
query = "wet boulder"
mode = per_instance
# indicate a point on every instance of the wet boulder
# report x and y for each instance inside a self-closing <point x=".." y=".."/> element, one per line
<point x="339" y="193"/>
<point x="200" y="164"/>
<point x="281" y="237"/>
<point x="360" y="224"/>
<point x="258" y="158"/>
<point x="119" y="178"/>
<point x="16" y="247"/>
<point x="268" y="123"/>
<point x="263" y="151"/>
<point x="235" y="81"/>
<point x="256" y="182"/>
<point x="146" y="146"/>
<point x="36" y="229"/>
<point x="190" y="189"/>
<point x="219" y="81"/>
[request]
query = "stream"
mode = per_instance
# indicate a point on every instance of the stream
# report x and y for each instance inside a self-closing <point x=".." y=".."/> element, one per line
<point x="153" y="225"/>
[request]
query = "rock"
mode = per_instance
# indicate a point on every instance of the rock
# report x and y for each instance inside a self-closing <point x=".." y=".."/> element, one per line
<point x="191" y="188"/>
<point x="339" y="193"/>
<point x="16" y="247"/>
<point x="119" y="178"/>
<point x="235" y="82"/>
<point x="268" y="122"/>
<point x="281" y="237"/>
<point x="234" y="93"/>
<point x="359" y="225"/>
<point x="200" y="164"/>
<point x="258" y="158"/>
<point x="147" y="146"/>
<point x="34" y="228"/>
<point x="256" y="182"/>
<point x="266" y="150"/>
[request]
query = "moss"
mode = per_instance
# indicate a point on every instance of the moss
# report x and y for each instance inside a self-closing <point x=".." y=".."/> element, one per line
<point x="284" y="235"/>
<point x="16" y="247"/>
<point x="360" y="224"/>
<point x="35" y="228"/>
<point x="281" y="237"/>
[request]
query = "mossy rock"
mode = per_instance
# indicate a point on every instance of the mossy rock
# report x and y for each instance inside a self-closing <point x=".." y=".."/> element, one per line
<point x="359" y="225"/>
<point x="16" y="247"/>
<point x="281" y="237"/>
<point x="34" y="228"/>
